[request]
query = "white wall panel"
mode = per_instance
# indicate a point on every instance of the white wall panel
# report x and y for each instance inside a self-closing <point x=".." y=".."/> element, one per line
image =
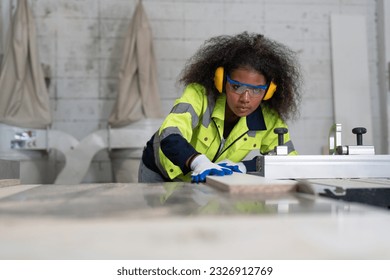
<point x="351" y="86"/>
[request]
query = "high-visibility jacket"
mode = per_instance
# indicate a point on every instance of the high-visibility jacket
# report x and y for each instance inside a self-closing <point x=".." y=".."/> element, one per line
<point x="196" y="124"/>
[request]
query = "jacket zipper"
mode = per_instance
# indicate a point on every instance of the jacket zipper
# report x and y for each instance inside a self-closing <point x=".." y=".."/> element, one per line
<point x="219" y="153"/>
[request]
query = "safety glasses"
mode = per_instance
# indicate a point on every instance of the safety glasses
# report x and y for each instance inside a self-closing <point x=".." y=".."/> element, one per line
<point x="240" y="88"/>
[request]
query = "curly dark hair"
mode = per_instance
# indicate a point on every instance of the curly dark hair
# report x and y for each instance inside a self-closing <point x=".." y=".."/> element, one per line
<point x="253" y="51"/>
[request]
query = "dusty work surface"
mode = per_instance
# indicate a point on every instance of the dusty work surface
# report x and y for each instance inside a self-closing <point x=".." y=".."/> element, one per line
<point x="184" y="221"/>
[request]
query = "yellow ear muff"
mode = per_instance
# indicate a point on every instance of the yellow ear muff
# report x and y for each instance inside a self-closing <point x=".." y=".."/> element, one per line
<point x="219" y="79"/>
<point x="270" y="91"/>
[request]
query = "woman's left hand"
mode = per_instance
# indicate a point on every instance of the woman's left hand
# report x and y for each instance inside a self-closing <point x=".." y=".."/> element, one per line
<point x="235" y="167"/>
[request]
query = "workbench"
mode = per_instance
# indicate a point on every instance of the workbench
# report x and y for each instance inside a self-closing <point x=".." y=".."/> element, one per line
<point x="184" y="221"/>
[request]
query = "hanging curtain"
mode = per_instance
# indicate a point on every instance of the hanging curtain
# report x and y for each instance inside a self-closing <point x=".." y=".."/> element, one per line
<point x="24" y="98"/>
<point x="138" y="95"/>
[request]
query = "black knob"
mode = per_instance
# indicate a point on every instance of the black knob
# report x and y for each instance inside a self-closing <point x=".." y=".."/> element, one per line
<point x="359" y="131"/>
<point x="280" y="131"/>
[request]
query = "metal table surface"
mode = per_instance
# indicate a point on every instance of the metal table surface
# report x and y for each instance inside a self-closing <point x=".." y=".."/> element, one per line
<point x="184" y="221"/>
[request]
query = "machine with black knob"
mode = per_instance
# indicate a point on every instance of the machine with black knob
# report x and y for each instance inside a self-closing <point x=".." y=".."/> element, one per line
<point x="343" y="161"/>
<point x="281" y="149"/>
<point x="359" y="131"/>
<point x="359" y="148"/>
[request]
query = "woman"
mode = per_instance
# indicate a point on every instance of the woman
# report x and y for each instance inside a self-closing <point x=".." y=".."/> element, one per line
<point x="237" y="90"/>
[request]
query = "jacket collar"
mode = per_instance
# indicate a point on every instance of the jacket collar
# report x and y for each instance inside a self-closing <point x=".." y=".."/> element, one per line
<point x="219" y="109"/>
<point x="255" y="121"/>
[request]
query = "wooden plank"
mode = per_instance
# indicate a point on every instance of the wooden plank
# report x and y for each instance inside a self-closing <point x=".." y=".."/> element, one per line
<point x="350" y="70"/>
<point x="246" y="183"/>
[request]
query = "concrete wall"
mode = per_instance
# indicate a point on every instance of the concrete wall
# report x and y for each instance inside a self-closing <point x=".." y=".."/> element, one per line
<point x="82" y="42"/>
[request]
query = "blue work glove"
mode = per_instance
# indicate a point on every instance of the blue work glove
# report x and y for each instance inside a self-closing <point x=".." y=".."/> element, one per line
<point x="235" y="167"/>
<point x="201" y="167"/>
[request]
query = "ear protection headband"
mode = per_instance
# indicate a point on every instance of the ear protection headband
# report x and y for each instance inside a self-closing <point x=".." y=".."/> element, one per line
<point x="220" y="81"/>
